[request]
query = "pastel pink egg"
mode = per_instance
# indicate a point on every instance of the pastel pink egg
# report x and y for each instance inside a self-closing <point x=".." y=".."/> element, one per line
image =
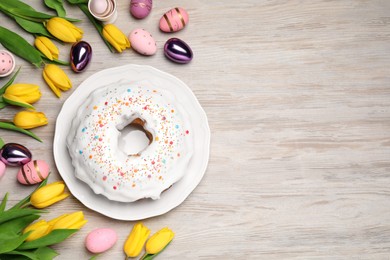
<point x="142" y="42"/>
<point x="100" y="240"/>
<point x="174" y="20"/>
<point x="7" y="63"/>
<point x="140" y="8"/>
<point x="33" y="172"/>
<point x="2" y="169"/>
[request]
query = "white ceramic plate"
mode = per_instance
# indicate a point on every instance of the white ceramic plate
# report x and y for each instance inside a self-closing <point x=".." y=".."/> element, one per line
<point x="144" y="208"/>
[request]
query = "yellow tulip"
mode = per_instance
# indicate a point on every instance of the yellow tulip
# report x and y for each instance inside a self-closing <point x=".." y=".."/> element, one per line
<point x="47" y="47"/>
<point x="29" y="119"/>
<point x="115" y="37"/>
<point x="22" y="94"/>
<point x="56" y="78"/>
<point x="64" y="30"/>
<point x="39" y="229"/>
<point x="48" y="195"/>
<point x="159" y="241"/>
<point x="74" y="220"/>
<point x="136" y="240"/>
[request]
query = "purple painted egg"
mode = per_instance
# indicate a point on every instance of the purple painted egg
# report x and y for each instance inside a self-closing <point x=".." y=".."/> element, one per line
<point x="2" y="169"/>
<point x="33" y="172"/>
<point x="80" y="56"/>
<point x="178" y="51"/>
<point x="174" y="20"/>
<point x="13" y="154"/>
<point x="140" y="8"/>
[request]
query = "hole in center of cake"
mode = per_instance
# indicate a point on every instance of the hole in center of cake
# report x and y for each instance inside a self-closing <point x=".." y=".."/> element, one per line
<point x="135" y="138"/>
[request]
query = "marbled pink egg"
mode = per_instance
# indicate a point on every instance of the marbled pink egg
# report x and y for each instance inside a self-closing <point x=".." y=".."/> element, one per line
<point x="2" y="169"/>
<point x="7" y="63"/>
<point x="174" y="20"/>
<point x="140" y="8"/>
<point x="142" y="42"/>
<point x="100" y="240"/>
<point x="33" y="172"/>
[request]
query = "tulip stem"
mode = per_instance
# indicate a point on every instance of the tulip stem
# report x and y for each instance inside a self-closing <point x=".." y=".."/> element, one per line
<point x="12" y="127"/>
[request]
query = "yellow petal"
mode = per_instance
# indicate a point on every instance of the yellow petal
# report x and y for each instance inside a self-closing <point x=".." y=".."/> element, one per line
<point x="111" y="40"/>
<point x="29" y="119"/>
<point x="159" y="241"/>
<point x="60" y="31"/>
<point x="51" y="85"/>
<point x="13" y="100"/>
<point x="51" y="201"/>
<point x="72" y="220"/>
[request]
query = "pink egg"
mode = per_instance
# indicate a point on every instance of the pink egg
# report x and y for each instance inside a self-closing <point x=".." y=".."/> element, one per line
<point x="7" y="63"/>
<point x="100" y="240"/>
<point x="2" y="169"/>
<point x="33" y="172"/>
<point x="174" y="20"/>
<point x="140" y="8"/>
<point x="142" y="42"/>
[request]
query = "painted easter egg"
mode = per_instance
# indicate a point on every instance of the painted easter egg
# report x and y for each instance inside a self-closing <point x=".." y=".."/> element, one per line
<point x="178" y="51"/>
<point x="33" y="172"/>
<point x="80" y="56"/>
<point x="174" y="20"/>
<point x="140" y="8"/>
<point x="13" y="154"/>
<point x="142" y="42"/>
<point x="7" y="63"/>
<point x="2" y="169"/>
<point x="100" y="240"/>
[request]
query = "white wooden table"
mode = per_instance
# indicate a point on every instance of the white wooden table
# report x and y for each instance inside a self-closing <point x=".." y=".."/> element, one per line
<point x="297" y="95"/>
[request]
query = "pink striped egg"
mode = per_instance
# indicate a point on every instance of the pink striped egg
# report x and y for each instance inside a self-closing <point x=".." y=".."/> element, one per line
<point x="174" y="20"/>
<point x="33" y="172"/>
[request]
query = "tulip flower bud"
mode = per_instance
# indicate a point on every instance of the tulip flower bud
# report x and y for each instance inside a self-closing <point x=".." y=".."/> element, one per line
<point x="64" y="30"/>
<point x="47" y="47"/>
<point x="136" y="240"/>
<point x="22" y="94"/>
<point x="56" y="78"/>
<point x="115" y="37"/>
<point x="29" y="119"/>
<point x="159" y="241"/>
<point x="74" y="220"/>
<point x="48" y="195"/>
<point x="39" y="229"/>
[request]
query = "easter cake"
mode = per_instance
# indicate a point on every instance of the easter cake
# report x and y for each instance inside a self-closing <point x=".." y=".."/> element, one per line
<point x="97" y="151"/>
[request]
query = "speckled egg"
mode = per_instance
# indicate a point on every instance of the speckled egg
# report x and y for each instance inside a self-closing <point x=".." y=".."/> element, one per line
<point x="174" y="20"/>
<point x="142" y="42"/>
<point x="2" y="169"/>
<point x="33" y="172"/>
<point x="100" y="240"/>
<point x="7" y="63"/>
<point x="140" y="8"/>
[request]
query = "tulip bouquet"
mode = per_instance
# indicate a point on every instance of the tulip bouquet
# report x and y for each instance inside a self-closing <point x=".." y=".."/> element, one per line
<point x="23" y="95"/>
<point x="20" y="238"/>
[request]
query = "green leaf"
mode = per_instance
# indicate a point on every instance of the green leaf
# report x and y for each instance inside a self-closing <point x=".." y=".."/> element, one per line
<point x="54" y="237"/>
<point x="57" y="6"/>
<point x="76" y="2"/>
<point x="14" y="257"/>
<point x="17" y="4"/>
<point x="16" y="103"/>
<point x="58" y="62"/>
<point x="19" y="46"/>
<point x="8" y="245"/>
<point x="33" y="27"/>
<point x="2" y="104"/>
<point x="10" y="81"/>
<point x="46" y="253"/>
<point x="4" y="201"/>
<point x="14" y="226"/>
<point x="16" y="213"/>
<point x="12" y="127"/>
<point x="26" y="200"/>
<point x="1" y="146"/>
<point x="28" y="254"/>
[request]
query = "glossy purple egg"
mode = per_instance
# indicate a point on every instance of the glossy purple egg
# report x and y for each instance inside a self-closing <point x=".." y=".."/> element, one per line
<point x="178" y="51"/>
<point x="80" y="56"/>
<point x="13" y="154"/>
<point x="140" y="8"/>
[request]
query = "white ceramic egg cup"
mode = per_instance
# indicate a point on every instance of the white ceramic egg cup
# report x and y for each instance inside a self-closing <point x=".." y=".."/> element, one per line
<point x="109" y="15"/>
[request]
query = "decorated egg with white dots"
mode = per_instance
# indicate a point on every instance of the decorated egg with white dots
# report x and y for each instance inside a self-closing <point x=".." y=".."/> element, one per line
<point x="7" y="63"/>
<point x="142" y="42"/>
<point x="33" y="172"/>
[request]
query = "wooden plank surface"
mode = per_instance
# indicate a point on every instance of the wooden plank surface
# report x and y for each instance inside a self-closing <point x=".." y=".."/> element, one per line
<point x="297" y="95"/>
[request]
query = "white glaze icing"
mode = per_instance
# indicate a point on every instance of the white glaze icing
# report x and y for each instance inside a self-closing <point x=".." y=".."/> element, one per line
<point x="101" y="162"/>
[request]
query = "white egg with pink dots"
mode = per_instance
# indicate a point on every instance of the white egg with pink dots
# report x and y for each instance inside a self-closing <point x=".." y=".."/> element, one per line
<point x="7" y="63"/>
